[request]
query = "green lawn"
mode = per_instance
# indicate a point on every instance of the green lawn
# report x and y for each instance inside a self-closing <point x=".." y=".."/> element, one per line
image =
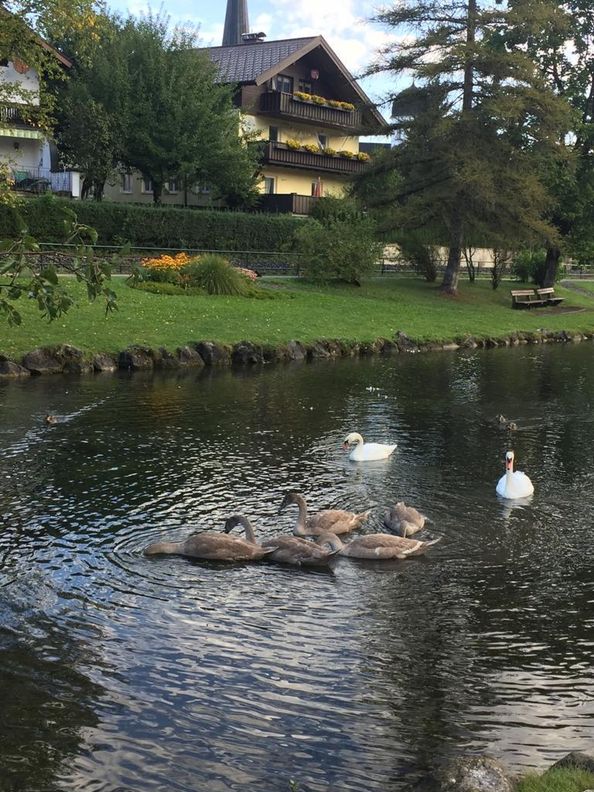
<point x="307" y="312"/>
<point x="557" y="781"/>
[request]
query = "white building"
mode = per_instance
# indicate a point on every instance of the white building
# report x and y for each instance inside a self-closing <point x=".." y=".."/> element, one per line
<point x="30" y="156"/>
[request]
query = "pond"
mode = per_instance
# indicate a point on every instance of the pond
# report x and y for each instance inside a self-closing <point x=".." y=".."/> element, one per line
<point x="121" y="672"/>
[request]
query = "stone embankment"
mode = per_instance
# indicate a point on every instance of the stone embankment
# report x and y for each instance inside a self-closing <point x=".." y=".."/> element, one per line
<point x="66" y="359"/>
<point x="485" y="774"/>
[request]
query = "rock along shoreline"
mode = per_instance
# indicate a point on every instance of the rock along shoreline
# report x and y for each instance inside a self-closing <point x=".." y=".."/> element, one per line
<point x="67" y="359"/>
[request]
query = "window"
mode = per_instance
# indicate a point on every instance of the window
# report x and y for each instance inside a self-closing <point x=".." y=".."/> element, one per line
<point x="322" y="140"/>
<point x="126" y="183"/>
<point x="269" y="185"/>
<point x="173" y="185"/>
<point x="305" y="86"/>
<point x="283" y="84"/>
<point x="147" y="185"/>
<point x="273" y="134"/>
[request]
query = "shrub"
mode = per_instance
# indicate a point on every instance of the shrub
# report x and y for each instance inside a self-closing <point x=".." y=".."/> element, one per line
<point x="330" y="151"/>
<point x="149" y="226"/>
<point x="346" y="154"/>
<point x="293" y="144"/>
<point x="363" y="156"/>
<point x="318" y="99"/>
<point x="528" y="266"/>
<point x="421" y="256"/>
<point x="312" y="148"/>
<point x="344" y="250"/>
<point x="305" y="97"/>
<point x="216" y="275"/>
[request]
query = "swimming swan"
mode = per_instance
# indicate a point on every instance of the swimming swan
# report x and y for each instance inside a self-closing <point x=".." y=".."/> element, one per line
<point x="514" y="484"/>
<point x="287" y="549"/>
<point x="213" y="546"/>
<point x="404" y="520"/>
<point x="366" y="452"/>
<point x="335" y="521"/>
<point x="377" y="546"/>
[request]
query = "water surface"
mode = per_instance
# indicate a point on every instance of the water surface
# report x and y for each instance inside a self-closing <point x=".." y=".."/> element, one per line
<point x="126" y="673"/>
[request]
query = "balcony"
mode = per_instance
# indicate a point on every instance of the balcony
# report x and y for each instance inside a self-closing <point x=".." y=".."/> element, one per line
<point x="11" y="115"/>
<point x="285" y="105"/>
<point x="280" y="154"/>
<point x="41" y="180"/>
<point x="286" y="203"/>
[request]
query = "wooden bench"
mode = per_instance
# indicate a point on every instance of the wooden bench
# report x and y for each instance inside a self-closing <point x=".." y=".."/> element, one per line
<point x="526" y="298"/>
<point x="549" y="296"/>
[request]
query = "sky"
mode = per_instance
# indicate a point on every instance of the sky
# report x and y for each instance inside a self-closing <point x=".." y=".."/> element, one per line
<point x="343" y="23"/>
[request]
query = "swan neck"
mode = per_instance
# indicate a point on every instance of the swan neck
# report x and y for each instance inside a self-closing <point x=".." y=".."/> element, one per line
<point x="332" y="540"/>
<point x="301" y="528"/>
<point x="249" y="531"/>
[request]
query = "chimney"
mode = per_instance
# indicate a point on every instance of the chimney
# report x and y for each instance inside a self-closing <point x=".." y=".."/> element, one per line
<point x="236" y="22"/>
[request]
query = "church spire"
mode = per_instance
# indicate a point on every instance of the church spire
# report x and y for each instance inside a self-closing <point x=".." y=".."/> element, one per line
<point x="236" y="22"/>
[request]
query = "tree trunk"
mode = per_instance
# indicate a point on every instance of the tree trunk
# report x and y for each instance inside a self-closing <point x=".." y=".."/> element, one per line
<point x="449" y="284"/>
<point x="551" y="266"/>
<point x="157" y="192"/>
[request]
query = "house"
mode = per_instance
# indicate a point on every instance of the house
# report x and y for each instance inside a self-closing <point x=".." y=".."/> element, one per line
<point x="300" y="102"/>
<point x="30" y="156"/>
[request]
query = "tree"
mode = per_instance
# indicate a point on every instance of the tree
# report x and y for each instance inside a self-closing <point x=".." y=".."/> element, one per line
<point x="475" y="128"/>
<point x="565" y="58"/>
<point x="92" y="105"/>
<point x="181" y="122"/>
<point x="26" y="27"/>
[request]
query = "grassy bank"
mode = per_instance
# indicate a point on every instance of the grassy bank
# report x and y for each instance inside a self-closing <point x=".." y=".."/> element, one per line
<point x="557" y="781"/>
<point x="303" y="311"/>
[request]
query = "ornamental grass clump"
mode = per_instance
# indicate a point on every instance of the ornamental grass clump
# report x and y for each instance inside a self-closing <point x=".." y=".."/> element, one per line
<point x="216" y="275"/>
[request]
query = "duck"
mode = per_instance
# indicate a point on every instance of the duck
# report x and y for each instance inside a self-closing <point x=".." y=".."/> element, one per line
<point x="377" y="546"/>
<point x="213" y="546"/>
<point x="404" y="520"/>
<point x="366" y="452"/>
<point x="286" y="549"/>
<point x="511" y="426"/>
<point x="335" y="521"/>
<point x="51" y="420"/>
<point x="514" y="484"/>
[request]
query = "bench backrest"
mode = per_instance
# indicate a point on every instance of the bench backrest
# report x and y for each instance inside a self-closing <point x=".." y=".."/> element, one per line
<point x="550" y="290"/>
<point x="523" y="293"/>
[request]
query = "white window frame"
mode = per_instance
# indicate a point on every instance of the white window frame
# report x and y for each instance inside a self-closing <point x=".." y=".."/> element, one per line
<point x="126" y="185"/>
<point x="175" y="182"/>
<point x="147" y="186"/>
<point x="270" y="180"/>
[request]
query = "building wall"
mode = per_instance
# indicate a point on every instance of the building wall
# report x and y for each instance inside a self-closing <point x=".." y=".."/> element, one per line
<point x="304" y="134"/>
<point x="28" y="81"/>
<point x="21" y="153"/>
<point x="114" y="192"/>
<point x="289" y="180"/>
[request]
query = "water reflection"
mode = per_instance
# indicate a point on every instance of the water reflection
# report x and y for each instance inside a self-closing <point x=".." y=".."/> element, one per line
<point x="177" y="675"/>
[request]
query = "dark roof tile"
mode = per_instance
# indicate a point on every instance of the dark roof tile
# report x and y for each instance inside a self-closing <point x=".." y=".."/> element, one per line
<point x="244" y="63"/>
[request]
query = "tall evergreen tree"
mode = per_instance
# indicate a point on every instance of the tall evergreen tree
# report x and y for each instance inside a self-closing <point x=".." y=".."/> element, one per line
<point x="475" y="127"/>
<point x="564" y="54"/>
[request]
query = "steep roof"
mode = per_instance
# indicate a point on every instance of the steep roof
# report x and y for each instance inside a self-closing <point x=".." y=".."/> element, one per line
<point x="256" y="63"/>
<point x="244" y="63"/>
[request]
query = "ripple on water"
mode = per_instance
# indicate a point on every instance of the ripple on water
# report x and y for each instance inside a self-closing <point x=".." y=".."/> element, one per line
<point x="177" y="674"/>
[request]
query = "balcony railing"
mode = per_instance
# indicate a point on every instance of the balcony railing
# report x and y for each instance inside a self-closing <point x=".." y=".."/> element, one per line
<point x="280" y="154"/>
<point x="287" y="106"/>
<point x="12" y="115"/>
<point x="41" y="180"/>
<point x="286" y="203"/>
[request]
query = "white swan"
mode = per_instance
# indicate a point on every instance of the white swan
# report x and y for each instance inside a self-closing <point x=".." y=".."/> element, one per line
<point x="514" y="484"/>
<point x="366" y="452"/>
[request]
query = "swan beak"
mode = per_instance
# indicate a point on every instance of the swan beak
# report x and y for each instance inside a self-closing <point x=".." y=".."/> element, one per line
<point x="508" y="464"/>
<point x="345" y="446"/>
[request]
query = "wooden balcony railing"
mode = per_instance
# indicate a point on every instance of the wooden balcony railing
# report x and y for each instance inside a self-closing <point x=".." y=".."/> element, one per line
<point x="280" y="154"/>
<point x="287" y="106"/>
<point x="286" y="203"/>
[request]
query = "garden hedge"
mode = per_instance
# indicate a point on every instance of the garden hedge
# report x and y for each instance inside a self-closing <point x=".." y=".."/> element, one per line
<point x="159" y="227"/>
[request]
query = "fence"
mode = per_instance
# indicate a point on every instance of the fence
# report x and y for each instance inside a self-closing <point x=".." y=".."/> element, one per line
<point x="42" y="180"/>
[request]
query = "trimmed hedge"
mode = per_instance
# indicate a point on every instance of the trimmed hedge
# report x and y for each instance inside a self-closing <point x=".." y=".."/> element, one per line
<point x="159" y="227"/>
